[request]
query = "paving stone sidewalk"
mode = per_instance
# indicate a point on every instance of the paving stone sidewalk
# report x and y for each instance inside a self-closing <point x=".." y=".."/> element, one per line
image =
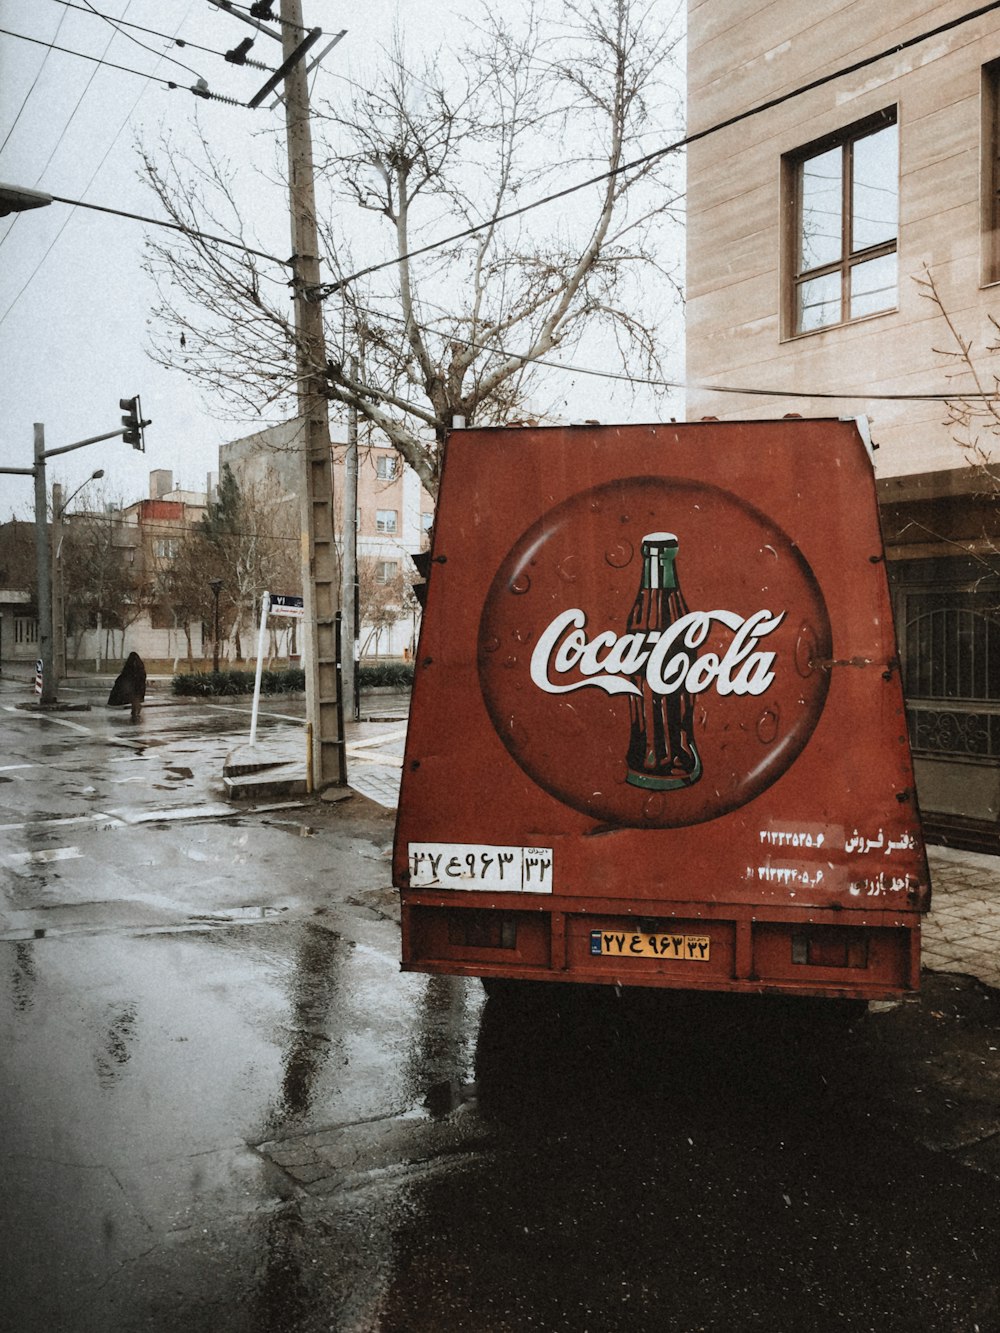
<point x="962" y="931"/>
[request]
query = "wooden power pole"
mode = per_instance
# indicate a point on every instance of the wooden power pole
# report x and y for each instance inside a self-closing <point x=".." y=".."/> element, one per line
<point x="320" y="572"/>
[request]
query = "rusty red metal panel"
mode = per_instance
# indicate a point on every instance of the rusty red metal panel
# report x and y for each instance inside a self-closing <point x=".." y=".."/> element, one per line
<point x="658" y="667"/>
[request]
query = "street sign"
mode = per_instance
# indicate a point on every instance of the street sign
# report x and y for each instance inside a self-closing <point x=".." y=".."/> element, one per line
<point x="286" y="606"/>
<point x="38" y="675"/>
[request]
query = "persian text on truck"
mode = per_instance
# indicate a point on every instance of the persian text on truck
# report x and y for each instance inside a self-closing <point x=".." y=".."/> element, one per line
<point x="657" y="734"/>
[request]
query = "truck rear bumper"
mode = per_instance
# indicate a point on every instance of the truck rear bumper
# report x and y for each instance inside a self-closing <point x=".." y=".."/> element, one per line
<point x="724" y="947"/>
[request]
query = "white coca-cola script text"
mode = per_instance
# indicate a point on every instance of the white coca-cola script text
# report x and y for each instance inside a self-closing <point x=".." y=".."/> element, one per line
<point x="668" y="658"/>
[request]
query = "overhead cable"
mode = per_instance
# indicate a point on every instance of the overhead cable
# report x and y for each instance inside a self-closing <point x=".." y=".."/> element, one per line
<point x="38" y="75"/>
<point x="200" y="89"/>
<point x="328" y="289"/>
<point x="650" y="382"/>
<point x="153" y="32"/>
<point x="173" y="226"/>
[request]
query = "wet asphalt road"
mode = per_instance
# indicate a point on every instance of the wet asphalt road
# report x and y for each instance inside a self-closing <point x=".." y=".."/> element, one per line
<point x="222" y="1107"/>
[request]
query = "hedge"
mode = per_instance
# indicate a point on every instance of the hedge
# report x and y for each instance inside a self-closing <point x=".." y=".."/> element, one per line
<point x="292" y="680"/>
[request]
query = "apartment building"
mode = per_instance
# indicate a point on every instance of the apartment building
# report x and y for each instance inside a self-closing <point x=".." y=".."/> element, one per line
<point x="393" y="518"/>
<point x="843" y="245"/>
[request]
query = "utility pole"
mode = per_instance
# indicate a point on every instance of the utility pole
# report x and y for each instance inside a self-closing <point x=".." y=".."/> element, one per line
<point x="43" y="557"/>
<point x="43" y="548"/>
<point x="58" y="602"/>
<point x="321" y="578"/>
<point x="350" y="559"/>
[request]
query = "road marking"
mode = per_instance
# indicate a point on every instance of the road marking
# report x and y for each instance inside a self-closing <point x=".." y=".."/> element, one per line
<point x="236" y="708"/>
<point x="376" y="740"/>
<point x="112" y="821"/>
<point x="7" y="768"/>
<point x="48" y="717"/>
<point x="209" y="810"/>
<point x="389" y="760"/>
<point x="50" y="854"/>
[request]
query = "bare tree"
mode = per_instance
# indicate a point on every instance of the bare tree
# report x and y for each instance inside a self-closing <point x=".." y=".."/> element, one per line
<point x="104" y="589"/>
<point x="459" y="329"/>
<point x="382" y="598"/>
<point x="974" y="416"/>
<point x="248" y="540"/>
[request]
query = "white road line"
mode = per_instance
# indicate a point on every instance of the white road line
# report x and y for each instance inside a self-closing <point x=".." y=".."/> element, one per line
<point x="48" y="717"/>
<point x="50" y="854"/>
<point x="112" y="821"/>
<point x="7" y="768"/>
<point x="376" y="740"/>
<point x="388" y="760"/>
<point x="283" y="717"/>
<point x="210" y="810"/>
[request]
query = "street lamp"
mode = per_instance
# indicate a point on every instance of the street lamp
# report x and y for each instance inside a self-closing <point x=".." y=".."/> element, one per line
<point x="215" y="585"/>
<point x="96" y="475"/>
<point x="16" y="199"/>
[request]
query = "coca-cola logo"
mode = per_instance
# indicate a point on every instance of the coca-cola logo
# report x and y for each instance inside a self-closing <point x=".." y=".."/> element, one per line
<point x="608" y="660"/>
<point x="647" y="677"/>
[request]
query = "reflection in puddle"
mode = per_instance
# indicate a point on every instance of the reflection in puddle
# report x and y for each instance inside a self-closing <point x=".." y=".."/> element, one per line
<point x="117" y="1043"/>
<point x="231" y="914"/>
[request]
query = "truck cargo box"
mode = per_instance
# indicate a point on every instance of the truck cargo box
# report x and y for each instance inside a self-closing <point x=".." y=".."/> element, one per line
<point x="657" y="734"/>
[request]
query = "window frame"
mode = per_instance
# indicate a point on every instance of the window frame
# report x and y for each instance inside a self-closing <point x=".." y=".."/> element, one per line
<point x="390" y="462"/>
<point x="843" y="138"/>
<point x="989" y="191"/>
<point x="382" y="525"/>
<point x="26" y="631"/>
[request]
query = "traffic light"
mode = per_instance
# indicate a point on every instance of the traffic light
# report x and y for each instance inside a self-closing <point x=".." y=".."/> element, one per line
<point x="133" y="422"/>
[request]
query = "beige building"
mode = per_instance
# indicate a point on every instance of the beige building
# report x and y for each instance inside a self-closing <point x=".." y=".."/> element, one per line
<point x="393" y="519"/>
<point x="814" y="228"/>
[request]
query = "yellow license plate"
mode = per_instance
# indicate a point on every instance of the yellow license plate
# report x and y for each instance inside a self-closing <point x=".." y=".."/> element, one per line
<point x="625" y="944"/>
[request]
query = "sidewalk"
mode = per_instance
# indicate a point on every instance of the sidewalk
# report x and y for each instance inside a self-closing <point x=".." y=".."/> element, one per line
<point x="962" y="931"/>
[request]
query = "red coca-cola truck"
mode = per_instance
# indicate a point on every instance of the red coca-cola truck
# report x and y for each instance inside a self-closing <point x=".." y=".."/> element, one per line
<point x="657" y="735"/>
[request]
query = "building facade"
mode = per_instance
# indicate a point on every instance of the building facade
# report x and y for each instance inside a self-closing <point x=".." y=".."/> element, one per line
<point x="843" y="258"/>
<point x="392" y="523"/>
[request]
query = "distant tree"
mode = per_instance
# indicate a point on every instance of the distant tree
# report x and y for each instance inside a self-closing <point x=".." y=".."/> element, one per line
<point x="538" y="97"/>
<point x="18" y="563"/>
<point x="248" y="540"/>
<point x="105" y="587"/>
<point x="382" y="599"/>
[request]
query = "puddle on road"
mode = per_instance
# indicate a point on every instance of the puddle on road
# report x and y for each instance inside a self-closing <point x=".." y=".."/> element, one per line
<point x="232" y="914"/>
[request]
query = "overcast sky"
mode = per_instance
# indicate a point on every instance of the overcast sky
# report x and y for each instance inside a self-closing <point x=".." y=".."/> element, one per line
<point x="74" y="301"/>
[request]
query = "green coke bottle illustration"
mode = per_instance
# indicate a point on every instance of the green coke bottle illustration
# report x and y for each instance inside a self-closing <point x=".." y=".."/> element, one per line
<point x="661" y="750"/>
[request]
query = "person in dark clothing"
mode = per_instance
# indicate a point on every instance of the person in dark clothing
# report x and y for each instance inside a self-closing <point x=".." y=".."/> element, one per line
<point x="130" y="687"/>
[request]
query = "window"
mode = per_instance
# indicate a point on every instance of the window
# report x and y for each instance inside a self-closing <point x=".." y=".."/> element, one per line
<point x="991" y="172"/>
<point x="166" y="548"/>
<point x="385" y="467"/>
<point x="426" y="522"/>
<point x="385" y="520"/>
<point x="950" y="645"/>
<point x="25" y="629"/>
<point x="386" y="571"/>
<point x="844" y="197"/>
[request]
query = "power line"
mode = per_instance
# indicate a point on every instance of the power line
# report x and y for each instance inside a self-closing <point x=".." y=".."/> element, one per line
<point x="328" y="289"/>
<point x="38" y="75"/>
<point x="72" y="114"/>
<point x="172" y="226"/>
<point x="651" y="382"/>
<point x="120" y="30"/>
<point x="79" y="203"/>
<point x="126" y="69"/>
<point x="153" y="32"/>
